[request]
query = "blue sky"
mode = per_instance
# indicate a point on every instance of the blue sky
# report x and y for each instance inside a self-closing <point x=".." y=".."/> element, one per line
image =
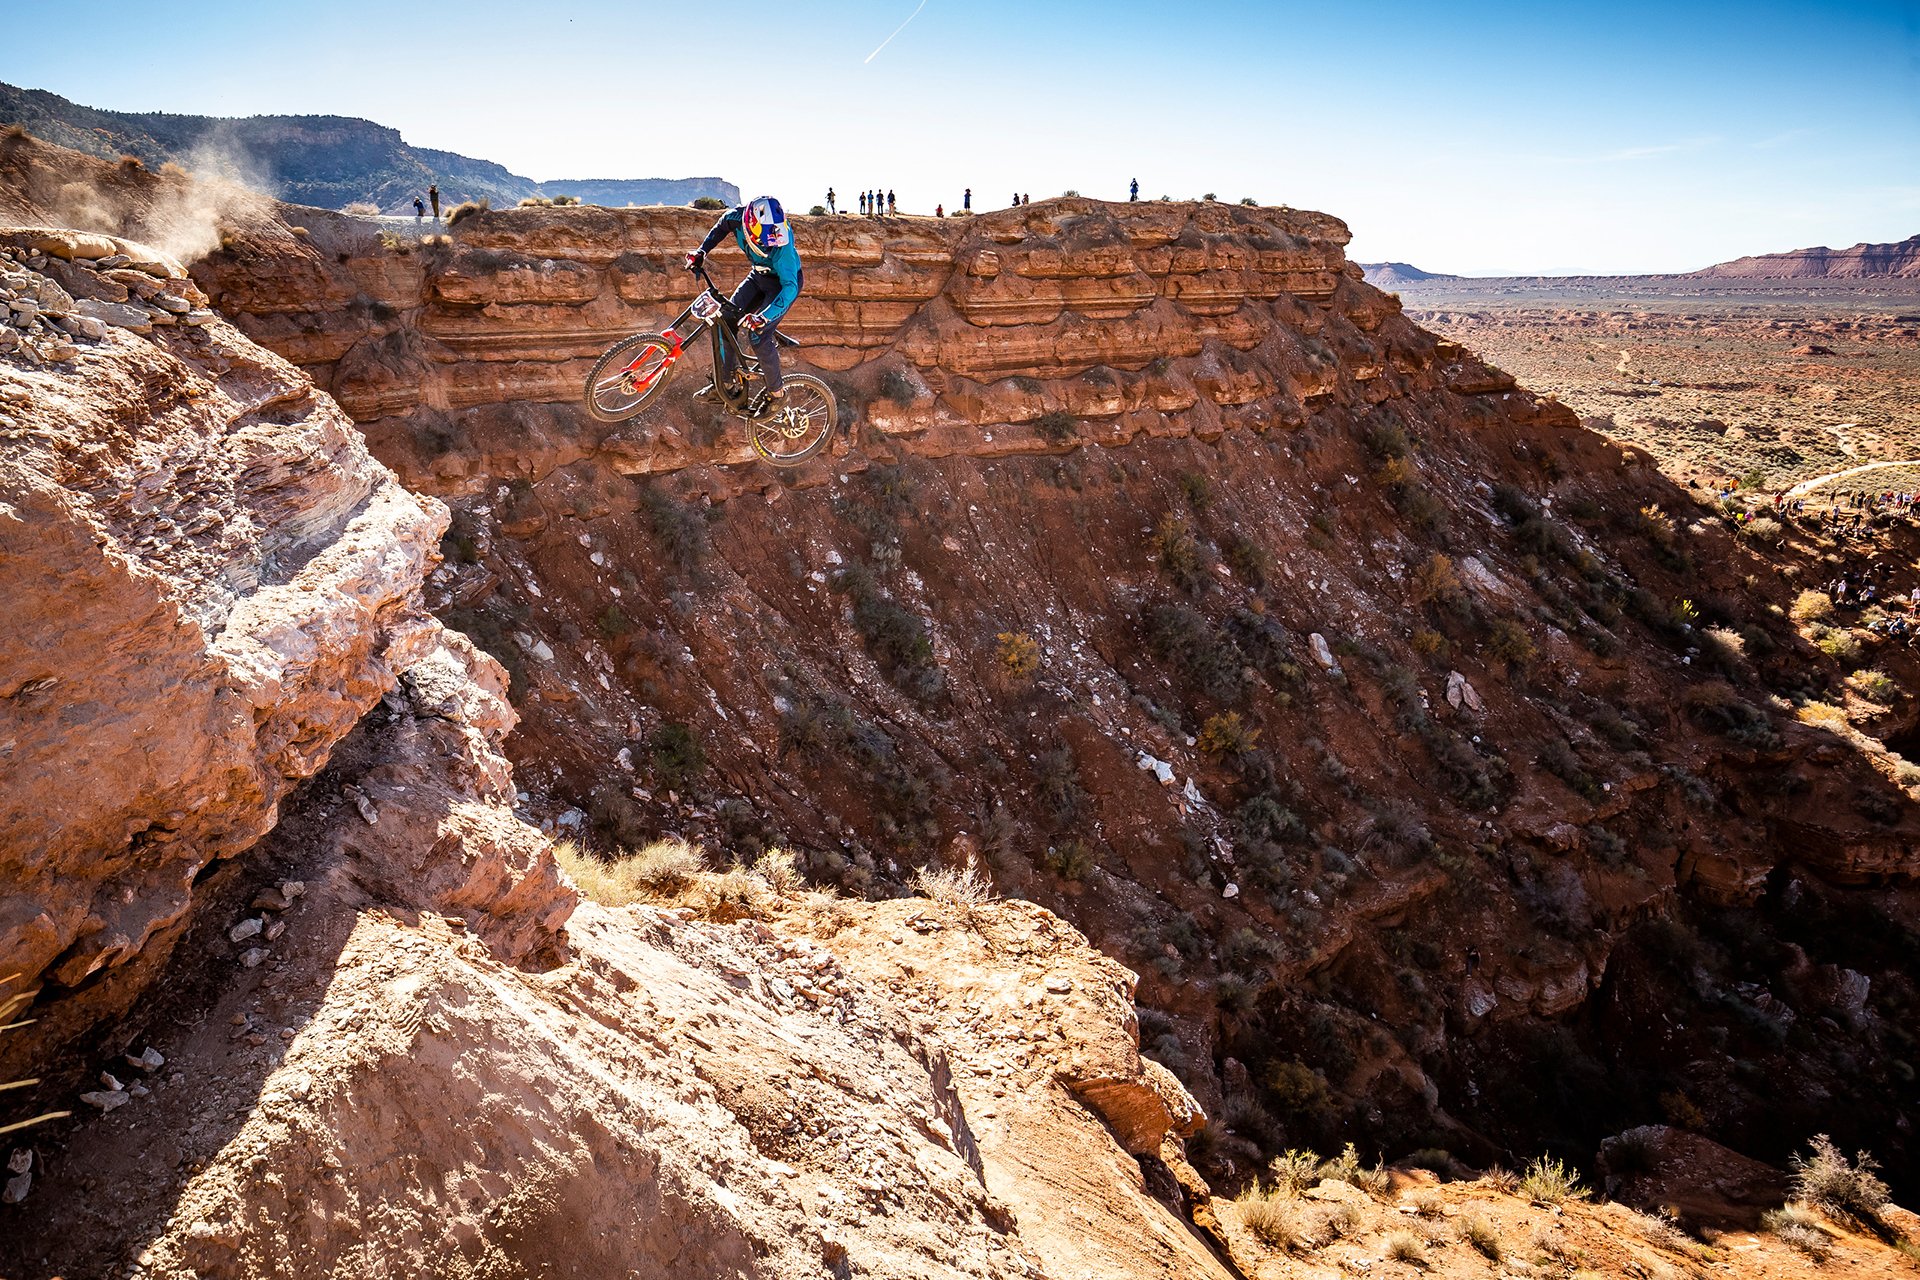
<point x="1477" y="138"/>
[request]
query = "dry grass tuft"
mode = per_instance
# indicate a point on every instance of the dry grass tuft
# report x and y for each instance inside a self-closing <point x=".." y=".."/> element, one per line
<point x="1479" y="1233"/>
<point x="654" y="873"/>
<point x="1272" y="1219"/>
<point x="1404" y="1246"/>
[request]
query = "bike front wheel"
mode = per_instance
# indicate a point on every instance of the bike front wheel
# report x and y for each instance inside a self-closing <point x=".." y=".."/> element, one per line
<point x="802" y="425"/>
<point x="627" y="377"/>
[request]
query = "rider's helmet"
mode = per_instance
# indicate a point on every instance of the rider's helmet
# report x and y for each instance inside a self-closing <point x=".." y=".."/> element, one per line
<point x="766" y="222"/>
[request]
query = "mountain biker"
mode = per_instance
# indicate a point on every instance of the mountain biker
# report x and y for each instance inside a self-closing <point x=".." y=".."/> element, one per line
<point x="761" y="229"/>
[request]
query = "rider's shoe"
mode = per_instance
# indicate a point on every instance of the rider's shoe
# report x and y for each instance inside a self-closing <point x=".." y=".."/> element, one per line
<point x="767" y="404"/>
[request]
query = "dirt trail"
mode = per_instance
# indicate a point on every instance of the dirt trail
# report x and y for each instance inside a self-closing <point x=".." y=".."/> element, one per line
<point x="1807" y="486"/>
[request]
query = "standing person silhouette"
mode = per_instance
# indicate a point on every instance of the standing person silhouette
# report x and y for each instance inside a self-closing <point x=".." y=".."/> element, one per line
<point x="966" y="200"/>
<point x="419" y="208"/>
<point x="1133" y="192"/>
<point x="433" y="194"/>
<point x="892" y="209"/>
<point x="830" y="208"/>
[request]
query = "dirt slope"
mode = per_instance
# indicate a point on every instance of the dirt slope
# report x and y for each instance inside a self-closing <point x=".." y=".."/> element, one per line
<point x="1165" y="447"/>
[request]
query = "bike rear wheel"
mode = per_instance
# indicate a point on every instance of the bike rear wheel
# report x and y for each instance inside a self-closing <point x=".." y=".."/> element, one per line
<point x="627" y="376"/>
<point x="801" y="427"/>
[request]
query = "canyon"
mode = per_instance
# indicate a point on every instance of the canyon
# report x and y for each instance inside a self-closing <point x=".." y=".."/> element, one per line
<point x="1359" y="701"/>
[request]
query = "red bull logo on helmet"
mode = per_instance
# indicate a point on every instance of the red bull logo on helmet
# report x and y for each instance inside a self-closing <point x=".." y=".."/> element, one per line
<point x="766" y="222"/>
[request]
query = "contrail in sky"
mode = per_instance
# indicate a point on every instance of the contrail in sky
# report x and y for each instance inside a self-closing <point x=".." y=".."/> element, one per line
<point x="896" y="31"/>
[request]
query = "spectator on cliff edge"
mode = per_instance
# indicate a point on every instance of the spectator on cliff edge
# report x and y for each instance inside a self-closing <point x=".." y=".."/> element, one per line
<point x="863" y="203"/>
<point x="966" y="200"/>
<point x="419" y="208"/>
<point x="433" y="194"/>
<point x="1027" y="198"/>
<point x="939" y="211"/>
<point x="892" y="209"/>
<point x="1133" y="191"/>
<point x="830" y="208"/>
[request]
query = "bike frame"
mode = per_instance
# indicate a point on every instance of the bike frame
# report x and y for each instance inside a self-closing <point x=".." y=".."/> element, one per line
<point x="712" y="310"/>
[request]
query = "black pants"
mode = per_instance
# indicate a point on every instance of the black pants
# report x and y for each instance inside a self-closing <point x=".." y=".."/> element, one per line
<point x="760" y="287"/>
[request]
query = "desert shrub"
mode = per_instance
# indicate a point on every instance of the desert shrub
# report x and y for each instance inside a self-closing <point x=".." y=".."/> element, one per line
<point x="1436" y="583"/>
<point x="1509" y="642"/>
<point x="1178" y="552"/>
<point x="467" y="209"/>
<point x="1058" y="787"/>
<point x="1874" y="685"/>
<point x="1563" y="763"/>
<point x="362" y="209"/>
<point x="1826" y="1180"/>
<point x="1658" y="527"/>
<point x="1204" y="658"/>
<point x="1056" y="426"/>
<point x="1428" y="643"/>
<point x="1842" y="646"/>
<point x="1714" y="705"/>
<point x="1479" y="1234"/>
<point x="536" y="202"/>
<point x="1385" y="439"/>
<point x="708" y="202"/>
<point x="1346" y="1167"/>
<point x="894" y="634"/>
<point x="1765" y="530"/>
<point x="1796" y="1227"/>
<point x="1264" y="644"/>
<point x="1549" y="1181"/>
<point x="651" y="872"/>
<point x="1070" y="859"/>
<point x="817" y="211"/>
<point x="1226" y="734"/>
<point x="1017" y="653"/>
<point x="1724" y="647"/>
<point x="613" y="622"/>
<point x="1293" y="1171"/>
<point x="565" y="202"/>
<point x="1247" y="558"/>
<point x="1298" y="1092"/>
<point x="1404" y="1246"/>
<point x="897" y="386"/>
<point x="962" y="889"/>
<point x="677" y="755"/>
<point x="1811" y="606"/>
<point x="677" y="526"/>
<point x="1197" y="489"/>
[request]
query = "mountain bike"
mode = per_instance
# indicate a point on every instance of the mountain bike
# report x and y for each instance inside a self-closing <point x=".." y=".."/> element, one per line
<point x="631" y="373"/>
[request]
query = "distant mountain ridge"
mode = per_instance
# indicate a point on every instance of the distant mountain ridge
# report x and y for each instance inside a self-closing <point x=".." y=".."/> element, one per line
<point x="1388" y="275"/>
<point x="1900" y="260"/>
<point x="327" y="161"/>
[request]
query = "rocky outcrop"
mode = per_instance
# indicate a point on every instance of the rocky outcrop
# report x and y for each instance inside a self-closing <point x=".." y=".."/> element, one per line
<point x="210" y="583"/>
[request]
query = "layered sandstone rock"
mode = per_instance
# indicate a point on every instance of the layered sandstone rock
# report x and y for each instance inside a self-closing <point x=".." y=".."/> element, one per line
<point x="210" y="581"/>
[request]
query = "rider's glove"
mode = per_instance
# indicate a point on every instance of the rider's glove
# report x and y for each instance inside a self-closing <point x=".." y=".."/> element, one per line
<point x="755" y="323"/>
<point x="695" y="258"/>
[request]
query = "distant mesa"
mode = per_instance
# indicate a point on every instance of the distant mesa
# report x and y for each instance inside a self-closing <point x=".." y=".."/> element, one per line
<point x="1899" y="261"/>
<point x="325" y="161"/>
<point x="1389" y="275"/>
